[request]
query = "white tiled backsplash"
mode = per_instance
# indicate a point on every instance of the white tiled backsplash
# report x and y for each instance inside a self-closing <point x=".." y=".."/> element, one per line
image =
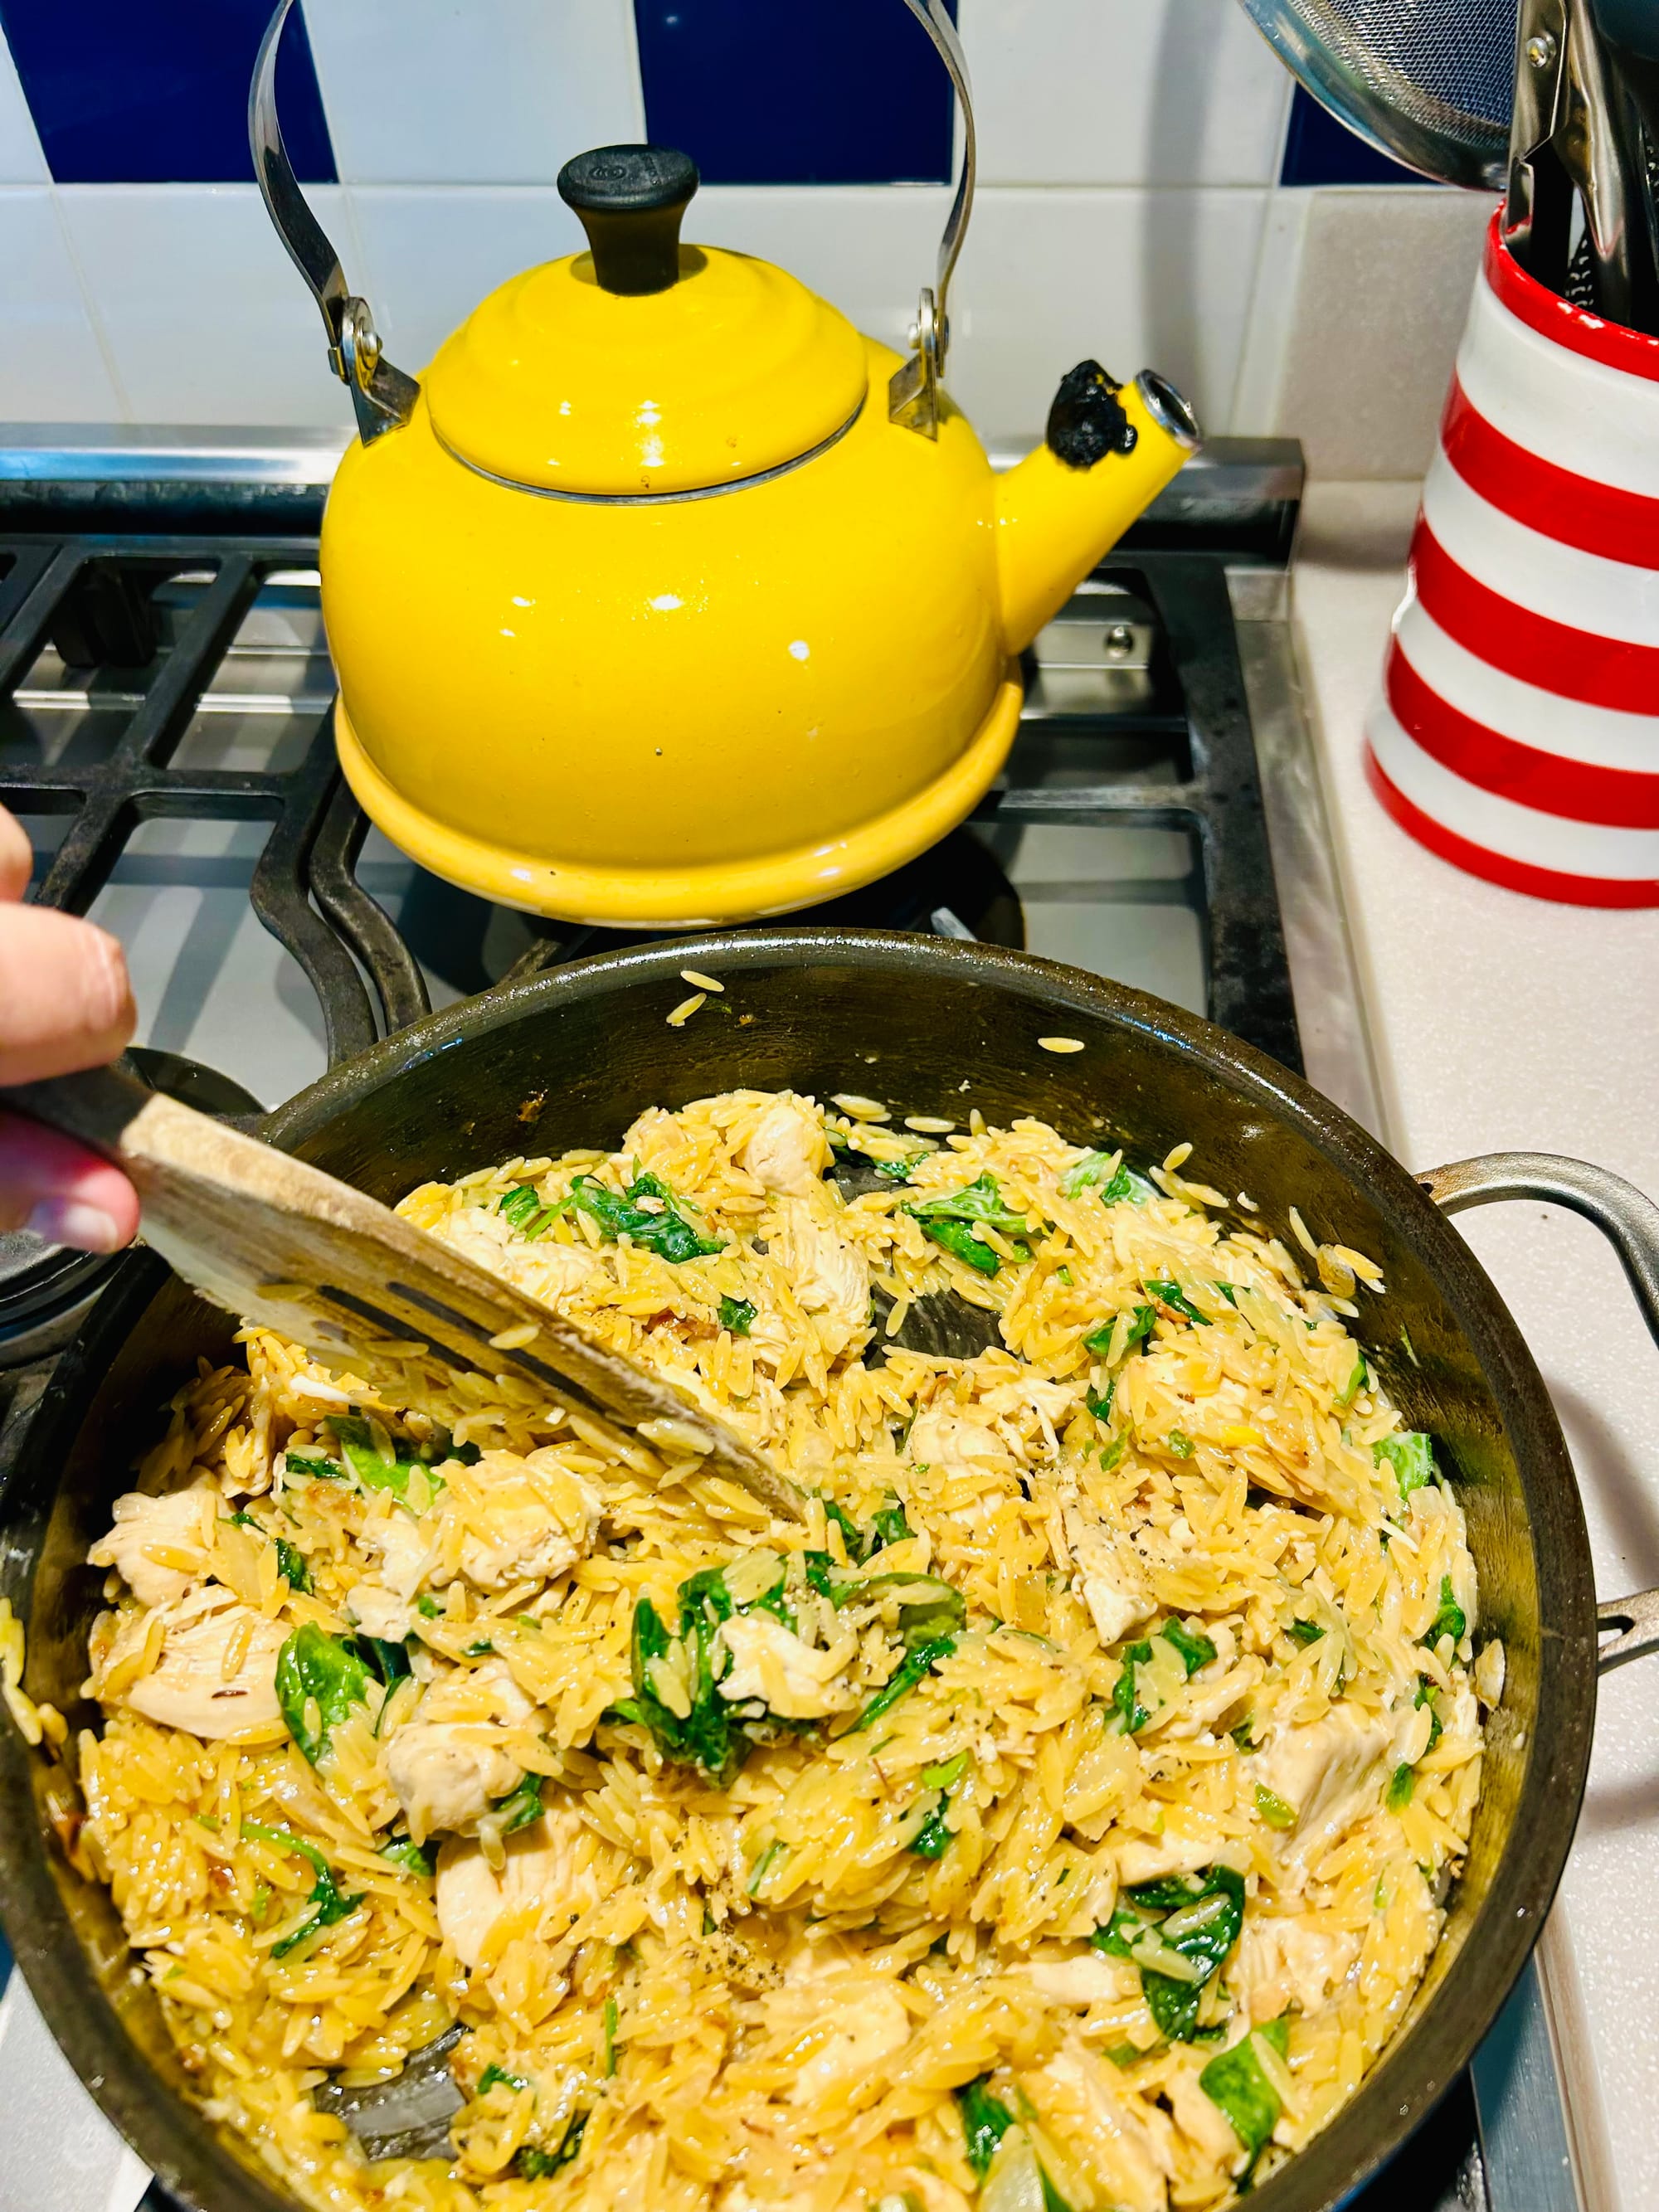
<point x="1128" y="208"/>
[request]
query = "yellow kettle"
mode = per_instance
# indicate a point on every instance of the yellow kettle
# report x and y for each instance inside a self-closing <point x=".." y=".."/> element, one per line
<point x="663" y="597"/>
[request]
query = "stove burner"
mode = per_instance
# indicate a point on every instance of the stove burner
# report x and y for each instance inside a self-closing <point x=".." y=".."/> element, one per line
<point x="954" y="890"/>
<point x="44" y="1289"/>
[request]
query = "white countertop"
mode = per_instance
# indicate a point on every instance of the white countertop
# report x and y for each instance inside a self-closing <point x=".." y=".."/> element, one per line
<point x="1500" y="1022"/>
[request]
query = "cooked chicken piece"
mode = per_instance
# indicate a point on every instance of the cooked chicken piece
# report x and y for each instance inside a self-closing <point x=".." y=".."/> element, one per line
<point x="791" y="1678"/>
<point x="831" y="1276"/>
<point x="188" y="1687"/>
<point x="543" y="1521"/>
<point x="446" y="1763"/>
<point x="1051" y="1401"/>
<point x="1091" y="1978"/>
<point x="1328" y="1770"/>
<point x="382" y="1603"/>
<point x="553" y="1865"/>
<point x="548" y="1271"/>
<point x="880" y="2026"/>
<point x="1109" y="1574"/>
<point x="1190" y="1842"/>
<point x="1081" y="2106"/>
<point x="1209" y="1700"/>
<point x="182" y="1521"/>
<point x="786" y="1150"/>
<point x="957" y="1444"/>
<point x="1291" y="1962"/>
<point x="1202" y="2121"/>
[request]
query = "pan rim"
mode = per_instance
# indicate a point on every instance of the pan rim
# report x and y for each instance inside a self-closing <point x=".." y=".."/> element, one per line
<point x="193" y="2160"/>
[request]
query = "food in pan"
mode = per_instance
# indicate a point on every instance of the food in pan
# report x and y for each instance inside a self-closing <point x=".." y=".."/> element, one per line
<point x="1060" y="1815"/>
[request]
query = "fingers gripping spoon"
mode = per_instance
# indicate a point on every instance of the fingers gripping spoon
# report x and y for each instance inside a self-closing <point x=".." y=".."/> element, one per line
<point x="279" y="1243"/>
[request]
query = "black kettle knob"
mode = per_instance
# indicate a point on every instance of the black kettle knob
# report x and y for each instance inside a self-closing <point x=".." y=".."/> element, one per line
<point x="630" y="199"/>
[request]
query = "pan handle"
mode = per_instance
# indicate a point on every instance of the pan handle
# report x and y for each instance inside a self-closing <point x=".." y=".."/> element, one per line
<point x="1629" y="1220"/>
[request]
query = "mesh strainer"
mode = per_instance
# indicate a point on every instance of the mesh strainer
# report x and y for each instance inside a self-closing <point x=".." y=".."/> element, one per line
<point x="1430" y="81"/>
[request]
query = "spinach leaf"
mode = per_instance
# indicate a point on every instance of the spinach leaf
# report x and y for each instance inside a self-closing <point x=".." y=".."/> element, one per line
<point x="326" y="1904"/>
<point x="1401" y="1782"/>
<point x="932" y="1839"/>
<point x="899" y="1170"/>
<point x="496" y="2076"/>
<point x="851" y="1534"/>
<point x="369" y="1461"/>
<point x="315" y="1669"/>
<point x="962" y="1244"/>
<point x="535" y="2164"/>
<point x="920" y="1661"/>
<point x="1099" y="1402"/>
<point x="313" y="1465"/>
<point x="1450" y="1620"/>
<point x="428" y="1607"/>
<point x="1127" y="1188"/>
<point x="522" y="1207"/>
<point x="888" y="1524"/>
<point x="409" y="1856"/>
<point x="1233" y="2081"/>
<point x="980" y="1202"/>
<point x="946" y="1774"/>
<point x="932" y="1610"/>
<point x="705" y="1736"/>
<point x="1203" y="1926"/>
<point x="610" y="2017"/>
<point x="1181" y="1443"/>
<point x="1427" y="1695"/>
<point x="985" y="2121"/>
<point x="1304" y="1631"/>
<point x="1196" y="1649"/>
<point x="523" y="1806"/>
<point x="1118" y="1938"/>
<point x="388" y="1661"/>
<point x="737" y="1315"/>
<point x="1171" y="1294"/>
<point x="291" y="1565"/>
<point x="1411" y="1454"/>
<point x="1358" y="1377"/>
<point x="668" y="1234"/>
<point x="1099" y="1341"/>
<point x="1229" y="1292"/>
<point x="1125" y="1696"/>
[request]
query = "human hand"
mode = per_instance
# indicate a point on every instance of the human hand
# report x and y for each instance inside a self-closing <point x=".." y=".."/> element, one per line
<point x="65" y="1003"/>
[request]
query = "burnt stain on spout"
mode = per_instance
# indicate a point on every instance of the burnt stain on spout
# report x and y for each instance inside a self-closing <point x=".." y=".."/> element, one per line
<point x="1087" y="419"/>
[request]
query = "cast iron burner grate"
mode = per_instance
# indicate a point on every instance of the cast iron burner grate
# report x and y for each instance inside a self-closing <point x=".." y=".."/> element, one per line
<point x="95" y="600"/>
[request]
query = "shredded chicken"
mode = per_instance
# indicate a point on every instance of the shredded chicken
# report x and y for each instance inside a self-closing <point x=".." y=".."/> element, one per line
<point x="382" y="1603"/>
<point x="189" y="1689"/>
<point x="1090" y="1979"/>
<point x="1201" y="2120"/>
<point x="1286" y="1962"/>
<point x="181" y="1524"/>
<point x="541" y="1518"/>
<point x="1112" y="1580"/>
<point x="790" y="1678"/>
<point x="548" y="1874"/>
<point x="786" y="1150"/>
<point x="446" y="1763"/>
<point x="1190" y="1841"/>
<point x="1327" y="1770"/>
<point x="547" y="1270"/>
<point x="1081" y="2108"/>
<point x="958" y="1444"/>
<point x="831" y="1276"/>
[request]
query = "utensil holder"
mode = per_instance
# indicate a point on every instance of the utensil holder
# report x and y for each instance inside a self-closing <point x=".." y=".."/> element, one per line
<point x="1517" y="734"/>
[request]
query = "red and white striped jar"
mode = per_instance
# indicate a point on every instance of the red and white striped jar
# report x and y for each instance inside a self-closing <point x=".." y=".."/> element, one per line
<point x="1518" y="733"/>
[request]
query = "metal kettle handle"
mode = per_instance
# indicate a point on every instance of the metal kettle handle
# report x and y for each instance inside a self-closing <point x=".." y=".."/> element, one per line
<point x="913" y="392"/>
<point x="1629" y="1220"/>
<point x="383" y="396"/>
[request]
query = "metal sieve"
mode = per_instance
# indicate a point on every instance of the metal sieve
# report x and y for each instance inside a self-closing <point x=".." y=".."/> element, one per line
<point x="1430" y="81"/>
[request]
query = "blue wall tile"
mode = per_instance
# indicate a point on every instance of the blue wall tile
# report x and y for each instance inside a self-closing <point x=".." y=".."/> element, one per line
<point x="1320" y="150"/>
<point x="775" y="92"/>
<point x="154" y="92"/>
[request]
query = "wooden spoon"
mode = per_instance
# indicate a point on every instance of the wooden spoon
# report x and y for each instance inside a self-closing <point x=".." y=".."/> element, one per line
<point x="280" y="1243"/>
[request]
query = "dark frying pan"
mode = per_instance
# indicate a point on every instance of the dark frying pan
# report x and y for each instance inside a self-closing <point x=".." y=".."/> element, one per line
<point x="929" y="1026"/>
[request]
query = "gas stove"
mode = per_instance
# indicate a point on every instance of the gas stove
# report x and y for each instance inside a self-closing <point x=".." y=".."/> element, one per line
<point x="165" y="697"/>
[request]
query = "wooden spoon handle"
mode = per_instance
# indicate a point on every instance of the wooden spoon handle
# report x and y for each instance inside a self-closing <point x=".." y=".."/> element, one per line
<point x="97" y="1107"/>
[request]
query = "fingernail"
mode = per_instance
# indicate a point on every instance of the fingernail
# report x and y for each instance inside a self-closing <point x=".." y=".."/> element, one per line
<point x="72" y="1221"/>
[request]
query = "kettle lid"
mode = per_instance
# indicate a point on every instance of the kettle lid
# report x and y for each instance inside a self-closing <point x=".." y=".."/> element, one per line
<point x="644" y="365"/>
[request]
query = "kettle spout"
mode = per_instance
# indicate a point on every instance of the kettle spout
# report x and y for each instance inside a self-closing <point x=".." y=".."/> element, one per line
<point x="1110" y="449"/>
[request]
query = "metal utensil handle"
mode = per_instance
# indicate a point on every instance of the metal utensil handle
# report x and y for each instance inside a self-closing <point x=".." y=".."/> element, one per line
<point x="1629" y="1220"/>
<point x="382" y="395"/>
<point x="913" y="392"/>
